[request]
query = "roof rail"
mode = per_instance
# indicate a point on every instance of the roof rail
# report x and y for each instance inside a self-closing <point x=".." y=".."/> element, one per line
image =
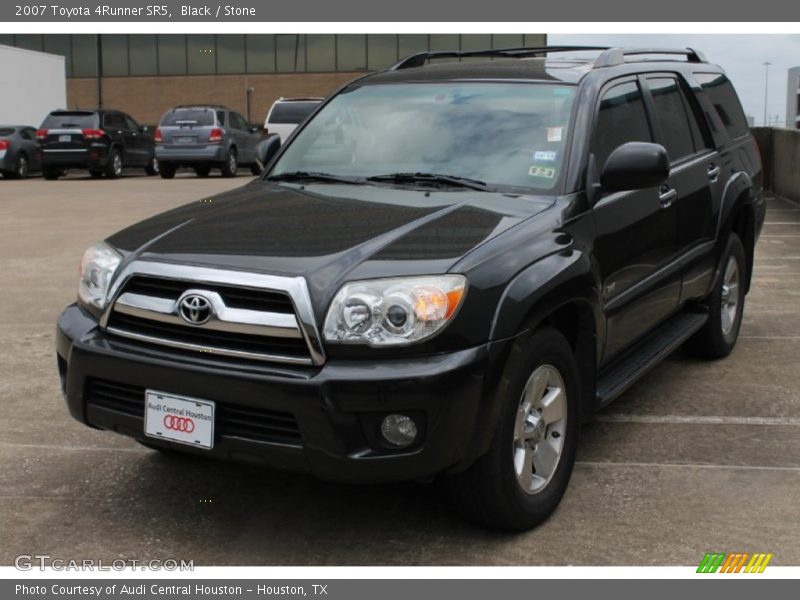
<point x="616" y="56"/>
<point x="200" y="105"/>
<point x="420" y="58"/>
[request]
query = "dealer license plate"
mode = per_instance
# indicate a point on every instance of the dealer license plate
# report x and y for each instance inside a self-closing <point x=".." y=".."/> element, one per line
<point x="179" y="419"/>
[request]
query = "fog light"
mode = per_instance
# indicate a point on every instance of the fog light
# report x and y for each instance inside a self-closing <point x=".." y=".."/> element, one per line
<point x="399" y="430"/>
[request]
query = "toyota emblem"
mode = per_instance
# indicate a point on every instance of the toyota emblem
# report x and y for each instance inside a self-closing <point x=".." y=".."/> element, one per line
<point x="195" y="309"/>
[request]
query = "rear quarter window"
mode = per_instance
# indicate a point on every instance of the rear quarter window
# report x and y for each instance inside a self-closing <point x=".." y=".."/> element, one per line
<point x="291" y="112"/>
<point x="720" y="91"/>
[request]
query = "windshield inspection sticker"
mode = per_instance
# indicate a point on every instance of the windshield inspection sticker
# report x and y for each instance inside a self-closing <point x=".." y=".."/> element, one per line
<point x="545" y="155"/>
<point x="554" y="134"/>
<point x="538" y="171"/>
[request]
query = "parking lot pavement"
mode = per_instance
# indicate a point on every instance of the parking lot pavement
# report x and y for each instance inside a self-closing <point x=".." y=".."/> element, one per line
<point x="697" y="456"/>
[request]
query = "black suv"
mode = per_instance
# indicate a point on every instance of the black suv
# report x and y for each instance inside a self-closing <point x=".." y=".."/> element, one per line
<point x="104" y="142"/>
<point x="446" y="270"/>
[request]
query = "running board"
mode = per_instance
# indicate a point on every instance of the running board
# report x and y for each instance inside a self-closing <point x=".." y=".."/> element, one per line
<point x="646" y="354"/>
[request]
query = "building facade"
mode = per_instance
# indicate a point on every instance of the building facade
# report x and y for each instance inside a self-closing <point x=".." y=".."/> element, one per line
<point x="793" y="99"/>
<point x="144" y="74"/>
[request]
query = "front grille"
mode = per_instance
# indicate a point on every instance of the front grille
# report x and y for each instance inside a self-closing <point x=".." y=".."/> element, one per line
<point x="246" y="323"/>
<point x="235" y="297"/>
<point x="208" y="338"/>
<point x="231" y="421"/>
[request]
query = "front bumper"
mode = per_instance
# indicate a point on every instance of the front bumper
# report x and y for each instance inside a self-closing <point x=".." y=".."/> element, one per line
<point x="337" y="407"/>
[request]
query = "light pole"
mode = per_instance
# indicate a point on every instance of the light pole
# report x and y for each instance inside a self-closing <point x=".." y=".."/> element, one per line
<point x="766" y="90"/>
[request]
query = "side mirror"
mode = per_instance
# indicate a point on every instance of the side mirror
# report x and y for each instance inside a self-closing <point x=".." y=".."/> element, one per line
<point x="254" y="129"/>
<point x="144" y="129"/>
<point x="635" y="166"/>
<point x="267" y="148"/>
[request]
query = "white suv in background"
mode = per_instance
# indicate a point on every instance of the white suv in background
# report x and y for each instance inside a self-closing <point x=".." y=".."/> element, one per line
<point x="287" y="113"/>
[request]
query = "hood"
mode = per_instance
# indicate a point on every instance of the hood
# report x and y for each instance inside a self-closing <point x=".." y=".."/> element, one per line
<point x="325" y="232"/>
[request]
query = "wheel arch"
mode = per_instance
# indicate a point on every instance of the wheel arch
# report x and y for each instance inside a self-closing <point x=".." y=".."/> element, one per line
<point x="737" y="215"/>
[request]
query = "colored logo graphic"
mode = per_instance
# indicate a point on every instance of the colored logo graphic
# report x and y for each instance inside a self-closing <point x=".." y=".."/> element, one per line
<point x="736" y="562"/>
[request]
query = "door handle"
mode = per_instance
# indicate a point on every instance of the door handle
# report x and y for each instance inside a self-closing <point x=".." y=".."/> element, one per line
<point x="667" y="196"/>
<point x="713" y="172"/>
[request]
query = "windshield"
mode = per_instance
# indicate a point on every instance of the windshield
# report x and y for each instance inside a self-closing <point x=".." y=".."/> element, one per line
<point x="504" y="134"/>
<point x="188" y="116"/>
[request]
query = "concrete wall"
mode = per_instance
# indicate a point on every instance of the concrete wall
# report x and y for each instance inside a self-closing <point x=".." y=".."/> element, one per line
<point x="780" y="152"/>
<point x="33" y="84"/>
<point x="147" y="98"/>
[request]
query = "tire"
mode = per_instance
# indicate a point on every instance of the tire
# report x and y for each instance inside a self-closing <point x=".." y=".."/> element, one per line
<point x="50" y="173"/>
<point x="21" y="167"/>
<point x="202" y="171"/>
<point x="114" y="166"/>
<point x="152" y="167"/>
<point x="516" y="485"/>
<point x="725" y="305"/>
<point x="166" y="170"/>
<point x="256" y="169"/>
<point x="95" y="173"/>
<point x="230" y="167"/>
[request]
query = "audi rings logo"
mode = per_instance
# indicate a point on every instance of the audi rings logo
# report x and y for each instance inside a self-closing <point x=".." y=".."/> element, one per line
<point x="195" y="309"/>
<point x="182" y="424"/>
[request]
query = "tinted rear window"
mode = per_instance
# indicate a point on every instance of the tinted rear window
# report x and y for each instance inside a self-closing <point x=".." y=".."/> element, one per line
<point x="189" y="116"/>
<point x="725" y="101"/>
<point x="6" y="131"/>
<point x="291" y="112"/>
<point x="70" y="120"/>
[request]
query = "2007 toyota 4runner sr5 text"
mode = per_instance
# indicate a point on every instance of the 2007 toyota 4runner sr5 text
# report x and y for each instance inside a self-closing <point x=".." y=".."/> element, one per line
<point x="443" y="272"/>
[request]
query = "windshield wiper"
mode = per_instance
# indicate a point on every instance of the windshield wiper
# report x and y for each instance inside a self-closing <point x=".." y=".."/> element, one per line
<point x="433" y="178"/>
<point x="314" y="176"/>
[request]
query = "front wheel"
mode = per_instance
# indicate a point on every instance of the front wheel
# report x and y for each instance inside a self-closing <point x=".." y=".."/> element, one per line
<point x="519" y="482"/>
<point x="21" y="167"/>
<point x="725" y="306"/>
<point x="152" y="167"/>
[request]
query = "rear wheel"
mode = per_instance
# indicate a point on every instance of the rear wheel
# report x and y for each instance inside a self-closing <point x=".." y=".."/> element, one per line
<point x="202" y="171"/>
<point x="21" y="167"/>
<point x="50" y="173"/>
<point x="152" y="167"/>
<point x="114" y="166"/>
<point x="166" y="170"/>
<point x="231" y="165"/>
<point x="519" y="482"/>
<point x="725" y="306"/>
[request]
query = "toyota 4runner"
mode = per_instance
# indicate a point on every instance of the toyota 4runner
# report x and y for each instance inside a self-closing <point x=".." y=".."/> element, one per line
<point x="445" y="271"/>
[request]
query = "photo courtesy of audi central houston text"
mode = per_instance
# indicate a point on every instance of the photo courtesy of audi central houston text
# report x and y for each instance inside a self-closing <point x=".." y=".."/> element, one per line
<point x="459" y="299"/>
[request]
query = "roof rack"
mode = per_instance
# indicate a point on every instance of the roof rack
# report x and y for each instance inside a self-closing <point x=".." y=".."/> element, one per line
<point x="610" y="56"/>
<point x="420" y="58"/>
<point x="616" y="56"/>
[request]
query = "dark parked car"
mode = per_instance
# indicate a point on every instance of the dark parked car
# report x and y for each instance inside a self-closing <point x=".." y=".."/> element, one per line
<point x="18" y="156"/>
<point x="205" y="138"/>
<point x="104" y="142"/>
<point x="445" y="272"/>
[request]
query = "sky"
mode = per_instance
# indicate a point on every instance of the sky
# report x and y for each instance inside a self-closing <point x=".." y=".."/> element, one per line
<point x="742" y="57"/>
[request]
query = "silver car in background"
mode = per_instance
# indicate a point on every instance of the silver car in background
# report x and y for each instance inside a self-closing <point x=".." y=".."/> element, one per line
<point x="205" y="137"/>
<point x="286" y="114"/>
<point x="19" y="155"/>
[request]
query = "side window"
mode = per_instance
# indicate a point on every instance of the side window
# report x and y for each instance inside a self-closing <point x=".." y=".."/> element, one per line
<point x="113" y="121"/>
<point x="130" y="123"/>
<point x="621" y="119"/>
<point x="221" y="118"/>
<point x="725" y="101"/>
<point x="239" y="122"/>
<point x="671" y="117"/>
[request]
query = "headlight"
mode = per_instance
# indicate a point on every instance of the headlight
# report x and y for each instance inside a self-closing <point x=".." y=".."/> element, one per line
<point x="393" y="312"/>
<point x="98" y="265"/>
